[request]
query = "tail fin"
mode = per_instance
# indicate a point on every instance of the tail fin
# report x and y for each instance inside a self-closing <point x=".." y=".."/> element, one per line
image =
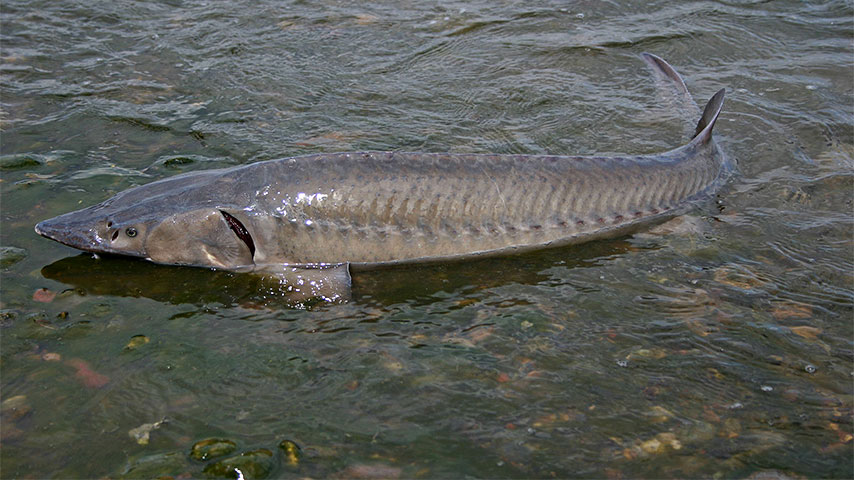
<point x="710" y="115"/>
<point x="663" y="68"/>
<point x="703" y="132"/>
<point x="673" y="89"/>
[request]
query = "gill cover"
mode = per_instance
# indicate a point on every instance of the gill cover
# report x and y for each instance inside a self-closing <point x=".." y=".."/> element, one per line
<point x="208" y="237"/>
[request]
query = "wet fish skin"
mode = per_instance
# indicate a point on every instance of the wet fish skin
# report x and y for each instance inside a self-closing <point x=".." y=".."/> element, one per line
<point x="373" y="208"/>
<point x="386" y="207"/>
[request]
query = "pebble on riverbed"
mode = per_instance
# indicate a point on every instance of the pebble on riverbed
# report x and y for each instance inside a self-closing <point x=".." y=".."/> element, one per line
<point x="738" y="276"/>
<point x="10" y="256"/>
<point x="142" y="433"/>
<point x="253" y="464"/>
<point x="136" y="341"/>
<point x="212" y="448"/>
<point x="14" y="408"/>
<point x="291" y="451"/>
<point x="661" y="443"/>
<point x="44" y="295"/>
<point x="12" y="411"/>
<point x="86" y="375"/>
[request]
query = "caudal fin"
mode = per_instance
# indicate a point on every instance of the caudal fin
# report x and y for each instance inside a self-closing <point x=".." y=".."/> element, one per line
<point x="672" y="92"/>
<point x="660" y="66"/>
<point x="703" y="133"/>
<point x="664" y="71"/>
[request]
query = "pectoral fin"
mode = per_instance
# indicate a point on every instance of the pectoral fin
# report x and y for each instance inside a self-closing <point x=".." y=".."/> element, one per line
<point x="329" y="283"/>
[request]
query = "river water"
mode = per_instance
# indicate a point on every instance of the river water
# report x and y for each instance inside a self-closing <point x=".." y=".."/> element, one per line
<point x="720" y="347"/>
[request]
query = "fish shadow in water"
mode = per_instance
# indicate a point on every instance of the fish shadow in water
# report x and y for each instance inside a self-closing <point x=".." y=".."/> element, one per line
<point x="120" y="276"/>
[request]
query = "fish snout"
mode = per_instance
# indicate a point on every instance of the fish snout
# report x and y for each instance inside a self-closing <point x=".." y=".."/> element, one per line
<point x="71" y="233"/>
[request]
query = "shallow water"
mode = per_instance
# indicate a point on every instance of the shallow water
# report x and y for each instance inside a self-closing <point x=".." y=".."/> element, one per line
<point x="722" y="347"/>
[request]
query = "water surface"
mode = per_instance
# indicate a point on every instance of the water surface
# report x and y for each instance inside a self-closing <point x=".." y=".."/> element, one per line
<point x="722" y="347"/>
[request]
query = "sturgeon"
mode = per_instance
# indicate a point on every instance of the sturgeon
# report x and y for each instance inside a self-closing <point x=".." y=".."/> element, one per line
<point x="365" y="209"/>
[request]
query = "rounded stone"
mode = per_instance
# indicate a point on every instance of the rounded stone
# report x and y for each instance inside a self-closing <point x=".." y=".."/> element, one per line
<point x="212" y="448"/>
<point x="252" y="464"/>
<point x="291" y="451"/>
<point x="10" y="256"/>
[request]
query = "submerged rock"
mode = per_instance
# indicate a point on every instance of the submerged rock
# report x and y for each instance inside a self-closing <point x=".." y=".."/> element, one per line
<point x="19" y="162"/>
<point x="161" y="465"/>
<point x="7" y="317"/>
<point x="136" y="341"/>
<point x="44" y="295"/>
<point x="142" y="433"/>
<point x="14" y="408"/>
<point x="252" y="464"/>
<point x="212" y="448"/>
<point x="86" y="374"/>
<point x="291" y="451"/>
<point x="10" y="256"/>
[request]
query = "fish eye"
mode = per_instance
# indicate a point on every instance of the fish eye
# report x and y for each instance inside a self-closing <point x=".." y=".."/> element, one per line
<point x="130" y="232"/>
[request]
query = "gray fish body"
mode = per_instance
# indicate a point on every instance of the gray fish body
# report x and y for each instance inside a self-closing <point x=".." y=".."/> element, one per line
<point x="381" y="207"/>
<point x="372" y="208"/>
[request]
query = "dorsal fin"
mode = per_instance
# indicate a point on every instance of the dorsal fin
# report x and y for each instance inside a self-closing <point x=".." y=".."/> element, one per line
<point x="710" y="115"/>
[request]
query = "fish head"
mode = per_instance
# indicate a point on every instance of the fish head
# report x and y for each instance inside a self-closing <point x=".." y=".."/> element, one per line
<point x="179" y="220"/>
<point x="99" y="229"/>
<point x="163" y="231"/>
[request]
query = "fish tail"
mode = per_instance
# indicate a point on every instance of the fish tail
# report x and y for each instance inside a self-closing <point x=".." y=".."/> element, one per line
<point x="661" y="67"/>
<point x="703" y="131"/>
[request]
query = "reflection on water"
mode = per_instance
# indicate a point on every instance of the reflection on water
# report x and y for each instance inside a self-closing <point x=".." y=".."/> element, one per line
<point x="109" y="275"/>
<point x="721" y="346"/>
